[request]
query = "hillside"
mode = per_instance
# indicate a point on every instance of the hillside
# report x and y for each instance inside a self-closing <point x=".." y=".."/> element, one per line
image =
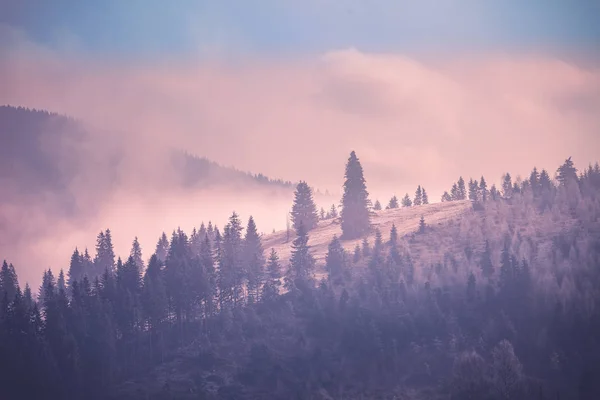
<point x="405" y="219"/>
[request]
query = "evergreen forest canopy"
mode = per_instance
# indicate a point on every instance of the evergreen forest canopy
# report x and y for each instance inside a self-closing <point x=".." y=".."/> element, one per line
<point x="506" y="307"/>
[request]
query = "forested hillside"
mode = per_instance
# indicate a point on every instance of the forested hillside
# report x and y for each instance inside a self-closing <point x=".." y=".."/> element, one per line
<point x="491" y="294"/>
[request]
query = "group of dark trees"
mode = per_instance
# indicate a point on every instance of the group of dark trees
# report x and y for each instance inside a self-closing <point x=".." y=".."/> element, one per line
<point x="421" y="197"/>
<point x="516" y="315"/>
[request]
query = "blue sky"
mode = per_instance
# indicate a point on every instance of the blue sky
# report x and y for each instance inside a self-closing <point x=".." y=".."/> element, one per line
<point x="153" y="28"/>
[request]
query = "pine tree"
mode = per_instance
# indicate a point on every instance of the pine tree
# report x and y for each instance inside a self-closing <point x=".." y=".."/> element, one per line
<point x="76" y="270"/>
<point x="462" y="192"/>
<point x="425" y="197"/>
<point x="454" y="195"/>
<point x="231" y="267"/>
<point x="136" y="253"/>
<point x="322" y="214"/>
<point x="255" y="261"/>
<point x="304" y="210"/>
<point x="418" y="196"/>
<point x="8" y="281"/>
<point x="395" y="258"/>
<point x="473" y="190"/>
<point x="566" y="173"/>
<point x="335" y="261"/>
<point x="302" y="262"/>
<point x="60" y="282"/>
<point x="377" y="257"/>
<point x="207" y="263"/>
<point x="494" y="195"/>
<point x="47" y="281"/>
<point x="446" y="197"/>
<point x="393" y="203"/>
<point x="422" y="225"/>
<point x="507" y="186"/>
<point x="406" y="201"/>
<point x="355" y="211"/>
<point x="154" y="301"/>
<point x="273" y="281"/>
<point x="366" y="249"/>
<point x="377" y="206"/>
<point x="333" y="211"/>
<point x="483" y="189"/>
<point x="105" y="255"/>
<point x="545" y="182"/>
<point x="534" y="181"/>
<point x="162" y="248"/>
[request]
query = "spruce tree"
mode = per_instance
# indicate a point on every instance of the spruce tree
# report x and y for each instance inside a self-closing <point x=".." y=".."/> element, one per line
<point x="406" y="201"/>
<point x="335" y="261"/>
<point x="494" y="194"/>
<point x="162" y="248"/>
<point x="333" y="211"/>
<point x="231" y="267"/>
<point x="422" y="225"/>
<point x="136" y="253"/>
<point x="462" y="192"/>
<point x="207" y="263"/>
<point x="255" y="261"/>
<point x="377" y="206"/>
<point x="366" y="249"/>
<point x="425" y="197"/>
<point x="8" y="281"/>
<point x="534" y="181"/>
<point x="446" y="197"/>
<point x="507" y="186"/>
<point x="60" y="282"/>
<point x="76" y="270"/>
<point x="473" y="190"/>
<point x="483" y="189"/>
<point x="545" y="181"/>
<point x="454" y="194"/>
<point x="105" y="255"/>
<point x="357" y="253"/>
<point x="273" y="281"/>
<point x="302" y="262"/>
<point x="322" y="214"/>
<point x="355" y="209"/>
<point x="393" y="203"/>
<point x="304" y="210"/>
<point x="566" y="173"/>
<point x="418" y="196"/>
<point x="394" y="251"/>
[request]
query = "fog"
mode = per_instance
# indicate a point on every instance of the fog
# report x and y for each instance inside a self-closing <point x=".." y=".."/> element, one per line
<point x="412" y="120"/>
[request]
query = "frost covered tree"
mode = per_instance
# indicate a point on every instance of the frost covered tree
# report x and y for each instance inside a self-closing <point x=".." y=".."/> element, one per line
<point x="355" y="206"/>
<point x="304" y="210"/>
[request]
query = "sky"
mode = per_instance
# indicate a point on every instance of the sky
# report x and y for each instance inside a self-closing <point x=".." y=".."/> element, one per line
<point x="424" y="91"/>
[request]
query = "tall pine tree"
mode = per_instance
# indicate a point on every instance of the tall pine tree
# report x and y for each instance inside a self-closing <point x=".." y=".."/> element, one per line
<point x="304" y="210"/>
<point x="355" y="211"/>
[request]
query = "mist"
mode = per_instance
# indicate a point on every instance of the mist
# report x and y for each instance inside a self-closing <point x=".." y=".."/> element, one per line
<point x="412" y="120"/>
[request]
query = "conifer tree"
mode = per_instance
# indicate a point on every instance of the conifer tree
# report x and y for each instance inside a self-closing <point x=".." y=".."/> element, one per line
<point x="425" y="197"/>
<point x="446" y="197"/>
<point x="304" y="210"/>
<point x="322" y="214"/>
<point x="418" y="196"/>
<point x="483" y="189"/>
<point x="462" y="192"/>
<point x="255" y="261"/>
<point x="422" y="225"/>
<point x="273" y="281"/>
<point x="162" y="248"/>
<point x="333" y="211"/>
<point x="395" y="258"/>
<point x="534" y="181"/>
<point x="302" y="262"/>
<point x="136" y="253"/>
<point x="335" y="261"/>
<point x="207" y="263"/>
<point x="494" y="195"/>
<point x="60" y="282"/>
<point x="507" y="186"/>
<point x="355" y="211"/>
<point x="454" y="194"/>
<point x="76" y="270"/>
<point x="8" y="281"/>
<point x="47" y="281"/>
<point x="105" y="255"/>
<point x="566" y="173"/>
<point x="377" y="206"/>
<point x="545" y="181"/>
<point x="231" y="268"/>
<point x="366" y="249"/>
<point x="406" y="201"/>
<point x="473" y="190"/>
<point x="393" y="203"/>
